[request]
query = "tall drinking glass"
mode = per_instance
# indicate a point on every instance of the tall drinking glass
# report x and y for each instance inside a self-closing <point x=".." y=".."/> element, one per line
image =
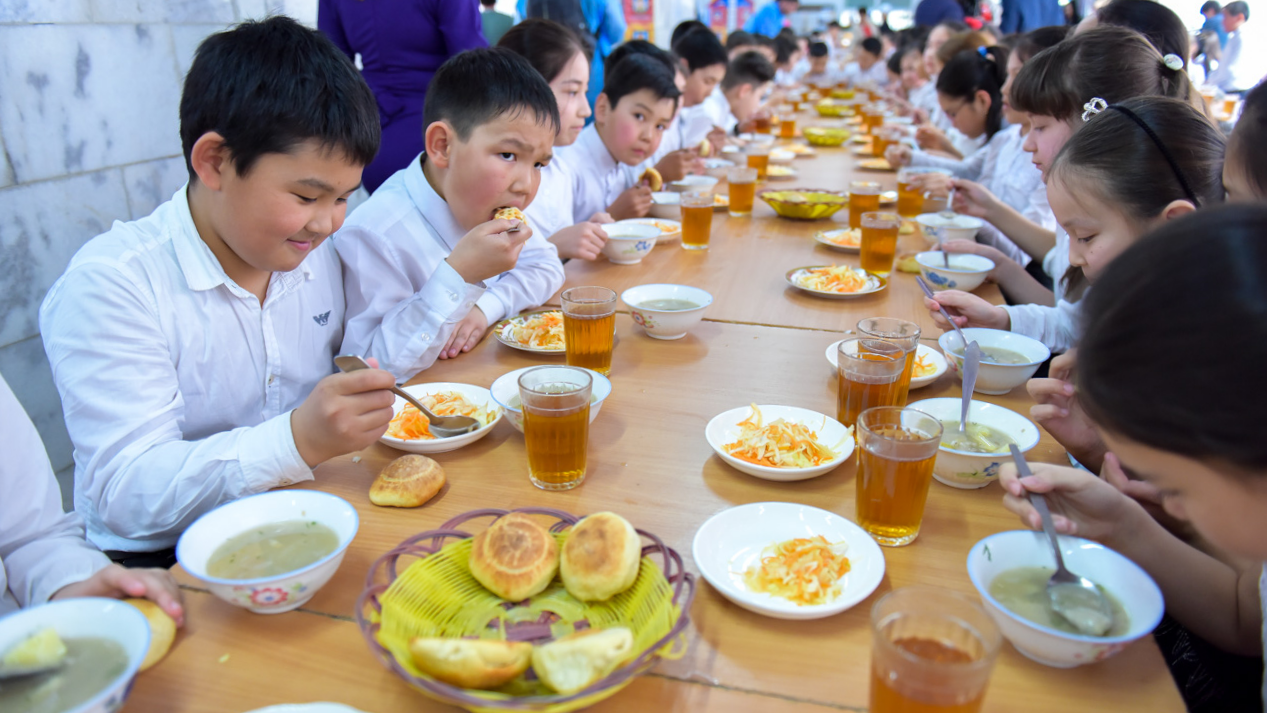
<point x="879" y="242"/>
<point x="931" y="651"/>
<point x="759" y="157"/>
<point x="589" y="327"/>
<point x="864" y="197"/>
<point x="897" y="448"/>
<point x="787" y="122"/>
<point x="743" y="189"/>
<point x="910" y="199"/>
<point x="556" y="406"/>
<point x="902" y="333"/>
<point x="867" y="373"/>
<point x="697" y="219"/>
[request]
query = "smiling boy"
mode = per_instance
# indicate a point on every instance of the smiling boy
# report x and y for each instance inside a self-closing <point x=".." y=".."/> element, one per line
<point x="193" y="348"/>
<point x="417" y="254"/>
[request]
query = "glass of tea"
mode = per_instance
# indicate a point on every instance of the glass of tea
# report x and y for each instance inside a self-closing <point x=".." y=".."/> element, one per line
<point x="589" y="327"/>
<point x="931" y="651"/>
<point x="879" y="242"/>
<point x="758" y="157"/>
<point x="787" y="122"/>
<point x="743" y="189"/>
<point x="910" y="198"/>
<point x="697" y="219"/>
<point x="556" y="406"/>
<point x="902" y="333"/>
<point x="867" y="373"/>
<point x="864" y="197"/>
<point x="762" y="123"/>
<point x="896" y="451"/>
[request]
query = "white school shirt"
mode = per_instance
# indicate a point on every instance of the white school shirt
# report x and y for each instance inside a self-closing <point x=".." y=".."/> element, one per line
<point x="877" y="75"/>
<point x="598" y="178"/>
<point x="1056" y="262"/>
<point x="719" y="110"/>
<point x="1058" y="327"/>
<point x="404" y="299"/>
<point x="176" y="383"/>
<point x="925" y="97"/>
<point x="1242" y="64"/>
<point x="551" y="210"/>
<point x="42" y="549"/>
<point x="694" y="123"/>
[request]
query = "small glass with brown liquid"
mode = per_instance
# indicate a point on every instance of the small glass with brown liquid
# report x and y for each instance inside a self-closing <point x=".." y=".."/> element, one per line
<point x="910" y="198"/>
<point x="589" y="327"/>
<point x="879" y="242"/>
<point x="697" y="219"/>
<point x="743" y="189"/>
<point x="902" y="333"/>
<point x="896" y="451"/>
<point x="556" y="408"/>
<point x="932" y="651"/>
<point x="759" y="158"/>
<point x="762" y="124"/>
<point x="864" y="197"/>
<point x="867" y="372"/>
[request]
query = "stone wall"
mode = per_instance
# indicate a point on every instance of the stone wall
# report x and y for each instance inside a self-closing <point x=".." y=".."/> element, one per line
<point x="89" y="91"/>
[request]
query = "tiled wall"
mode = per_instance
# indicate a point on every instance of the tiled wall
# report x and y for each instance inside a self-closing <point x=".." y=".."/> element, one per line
<point x="89" y="91"/>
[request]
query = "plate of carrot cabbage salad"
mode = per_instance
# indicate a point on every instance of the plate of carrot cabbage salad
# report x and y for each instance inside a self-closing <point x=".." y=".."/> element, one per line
<point x="802" y="570"/>
<point x="539" y="332"/>
<point x="409" y="429"/>
<point x="845" y="239"/>
<point x="835" y="281"/>
<point x="779" y="442"/>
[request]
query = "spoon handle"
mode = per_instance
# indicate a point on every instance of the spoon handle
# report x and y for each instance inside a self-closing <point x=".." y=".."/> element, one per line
<point x="351" y="362"/>
<point x="1040" y="504"/>
<point x="928" y="291"/>
<point x="971" y="363"/>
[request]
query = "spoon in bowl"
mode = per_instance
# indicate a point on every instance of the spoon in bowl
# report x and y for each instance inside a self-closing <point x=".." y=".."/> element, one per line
<point x="440" y="426"/>
<point x="971" y="363"/>
<point x="1076" y="599"/>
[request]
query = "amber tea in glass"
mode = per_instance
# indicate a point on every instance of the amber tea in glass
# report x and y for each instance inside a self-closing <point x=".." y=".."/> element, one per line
<point x="867" y="376"/>
<point x="896" y="451"/>
<point x="864" y="197"/>
<point x="743" y="190"/>
<point x="589" y="327"/>
<point x="556" y="409"/>
<point x="902" y="333"/>
<point x="697" y="219"/>
<point x="879" y="242"/>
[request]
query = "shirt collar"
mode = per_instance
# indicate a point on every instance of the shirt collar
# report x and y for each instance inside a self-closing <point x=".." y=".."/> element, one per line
<point x="434" y="209"/>
<point x="595" y="151"/>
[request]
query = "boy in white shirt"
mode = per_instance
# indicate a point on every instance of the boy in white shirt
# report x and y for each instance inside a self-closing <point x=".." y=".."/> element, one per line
<point x="672" y="159"/>
<point x="867" y="69"/>
<point x="193" y="349"/>
<point x="638" y="101"/>
<point x="417" y="254"/>
<point x="819" y="74"/>
<point x="704" y="61"/>
<point x="748" y="80"/>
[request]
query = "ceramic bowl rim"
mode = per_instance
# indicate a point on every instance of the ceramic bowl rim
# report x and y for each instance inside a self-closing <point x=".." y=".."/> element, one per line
<point x="952" y="269"/>
<point x="993" y="456"/>
<point x="969" y="331"/>
<point x="651" y="310"/>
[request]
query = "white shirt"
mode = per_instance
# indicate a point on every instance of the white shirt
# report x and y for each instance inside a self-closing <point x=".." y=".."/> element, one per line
<point x="877" y="74"/>
<point x="719" y="110"/>
<point x="1056" y="262"/>
<point x="404" y="299"/>
<point x="925" y="97"/>
<point x="694" y="123"/>
<point x="176" y="383"/>
<point x="1242" y="64"/>
<point x="598" y="178"/>
<point x="551" y="210"/>
<point x="42" y="549"/>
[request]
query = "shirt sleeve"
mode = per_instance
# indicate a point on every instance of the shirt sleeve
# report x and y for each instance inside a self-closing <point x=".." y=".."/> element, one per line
<point x="537" y="275"/>
<point x="968" y="168"/>
<point x="42" y="549"/>
<point x="124" y="409"/>
<point x="1057" y="327"/>
<point x="401" y="326"/>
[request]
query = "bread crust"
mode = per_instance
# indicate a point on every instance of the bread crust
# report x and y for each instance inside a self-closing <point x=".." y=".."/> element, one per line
<point x="407" y="482"/>
<point x="579" y="660"/>
<point x="653" y="179"/>
<point x="515" y="558"/>
<point x="471" y="663"/>
<point x="162" y="631"/>
<point x="601" y="557"/>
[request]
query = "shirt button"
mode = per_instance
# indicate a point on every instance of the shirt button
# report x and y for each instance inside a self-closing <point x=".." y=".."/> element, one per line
<point x="271" y="377"/>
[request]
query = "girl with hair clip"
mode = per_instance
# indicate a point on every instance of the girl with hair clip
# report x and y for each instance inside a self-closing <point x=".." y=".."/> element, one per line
<point x="1185" y="444"/>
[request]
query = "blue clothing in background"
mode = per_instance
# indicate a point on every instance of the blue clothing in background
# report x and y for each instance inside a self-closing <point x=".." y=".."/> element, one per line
<point x="1026" y="15"/>
<point x="766" y="21"/>
<point x="606" y="22"/>
<point x="933" y="12"/>
<point x="1215" y="25"/>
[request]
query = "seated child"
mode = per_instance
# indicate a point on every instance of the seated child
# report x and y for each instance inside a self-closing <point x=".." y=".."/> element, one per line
<point x="417" y="254"/>
<point x="638" y="101"/>
<point x="743" y="90"/>
<point x="787" y="54"/>
<point x="193" y="349"/>
<point x="672" y="159"/>
<point x="703" y="59"/>
<point x="819" y="74"/>
<point x="43" y="554"/>
<point x="868" y="68"/>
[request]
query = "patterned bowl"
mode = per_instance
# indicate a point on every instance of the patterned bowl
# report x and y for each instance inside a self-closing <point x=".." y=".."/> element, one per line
<point x="968" y="470"/>
<point x="662" y="323"/>
<point x="804" y="203"/>
<point x="825" y="135"/>
<point x="628" y="243"/>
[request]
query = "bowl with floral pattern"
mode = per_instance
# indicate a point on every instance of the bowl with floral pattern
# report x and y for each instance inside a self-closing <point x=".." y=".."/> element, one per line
<point x="628" y="243"/>
<point x="967" y="469"/>
<point x="953" y="271"/>
<point x="281" y="592"/>
<point x="666" y="311"/>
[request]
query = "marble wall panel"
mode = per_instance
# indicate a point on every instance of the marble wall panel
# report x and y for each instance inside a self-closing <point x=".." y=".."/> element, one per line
<point x="26" y="369"/>
<point x="152" y="183"/>
<point x="185" y="40"/>
<point x="168" y="11"/>
<point x="45" y="11"/>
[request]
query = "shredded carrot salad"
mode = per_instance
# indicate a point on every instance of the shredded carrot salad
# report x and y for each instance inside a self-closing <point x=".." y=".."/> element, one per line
<point x="778" y="444"/>
<point x="833" y="278"/>
<point x="847" y="238"/>
<point x="805" y="570"/>
<point x="924" y="366"/>
<point x="539" y="331"/>
<point x="411" y="425"/>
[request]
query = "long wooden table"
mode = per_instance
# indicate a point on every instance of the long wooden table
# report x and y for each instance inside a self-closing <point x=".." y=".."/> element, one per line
<point x="650" y="462"/>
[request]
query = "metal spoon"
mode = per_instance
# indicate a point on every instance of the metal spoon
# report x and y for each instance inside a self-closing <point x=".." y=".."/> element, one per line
<point x="8" y="672"/>
<point x="441" y="426"/>
<point x="971" y="361"/>
<point x="1076" y="599"/>
<point x="929" y="292"/>
<point x="947" y="214"/>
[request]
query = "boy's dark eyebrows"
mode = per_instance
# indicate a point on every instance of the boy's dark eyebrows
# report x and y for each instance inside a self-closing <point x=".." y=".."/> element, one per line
<point x="518" y="143"/>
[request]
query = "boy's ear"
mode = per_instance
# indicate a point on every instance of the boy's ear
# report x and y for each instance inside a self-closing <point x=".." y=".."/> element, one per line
<point x="438" y="141"/>
<point x="602" y="108"/>
<point x="209" y="158"/>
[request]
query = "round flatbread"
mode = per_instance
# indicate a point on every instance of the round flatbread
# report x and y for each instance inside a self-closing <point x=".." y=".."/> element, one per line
<point x="162" y="630"/>
<point x="653" y="179"/>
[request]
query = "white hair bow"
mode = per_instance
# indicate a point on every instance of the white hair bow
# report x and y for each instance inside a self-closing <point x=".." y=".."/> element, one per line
<point x="1173" y="62"/>
<point x="1093" y="107"/>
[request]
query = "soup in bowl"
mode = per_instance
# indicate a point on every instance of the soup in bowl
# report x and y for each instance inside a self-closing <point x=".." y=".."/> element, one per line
<point x="666" y="311"/>
<point x="1008" y="359"/>
<point x="972" y="460"/>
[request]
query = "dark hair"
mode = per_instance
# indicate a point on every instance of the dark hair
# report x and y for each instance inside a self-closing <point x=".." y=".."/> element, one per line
<point x="739" y="38"/>
<point x="873" y="46"/>
<point x="637" y="71"/>
<point x="835" y="24"/>
<point x="488" y="3"/>
<point x="894" y="63"/>
<point x="267" y="86"/>
<point x="767" y="42"/>
<point x="818" y="49"/>
<point x="1111" y="63"/>
<point x="1035" y="41"/>
<point x="1237" y="8"/>
<point x="1249" y="136"/>
<point x="700" y="49"/>
<point x="962" y="42"/>
<point x="642" y="47"/>
<point x="1216" y="259"/>
<point x="685" y="28"/>
<point x="547" y="45"/>
<point x="748" y="68"/>
<point x="784" y="48"/>
<point x="1156" y="22"/>
<point x="1211" y="5"/>
<point x="970" y="72"/>
<point x="480" y="85"/>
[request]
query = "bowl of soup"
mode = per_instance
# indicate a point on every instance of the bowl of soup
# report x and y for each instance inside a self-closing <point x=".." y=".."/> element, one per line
<point x="505" y="391"/>
<point x="628" y="243"/>
<point x="666" y="311"/>
<point x="269" y="552"/>
<point x="666" y="205"/>
<point x="953" y="271"/>
<point x="106" y="640"/>
<point x="1008" y="359"/>
<point x="972" y="459"/>
<point x="693" y="183"/>
<point x="1010" y="571"/>
<point x="937" y="227"/>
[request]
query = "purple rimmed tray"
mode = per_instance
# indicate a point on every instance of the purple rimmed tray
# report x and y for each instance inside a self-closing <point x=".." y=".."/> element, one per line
<point x="386" y="569"/>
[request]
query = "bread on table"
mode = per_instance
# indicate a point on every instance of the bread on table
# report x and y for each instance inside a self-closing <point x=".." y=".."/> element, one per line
<point x="471" y="663"/>
<point x="162" y="631"/>
<point x="576" y="662"/>
<point x="906" y="263"/>
<point x="652" y="178"/>
<point x="514" y="558"/>
<point x="705" y="148"/>
<point x="600" y="558"/>
<point x="407" y="482"/>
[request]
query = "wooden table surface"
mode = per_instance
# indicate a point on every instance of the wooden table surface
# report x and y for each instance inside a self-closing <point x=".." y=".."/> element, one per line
<point x="649" y="461"/>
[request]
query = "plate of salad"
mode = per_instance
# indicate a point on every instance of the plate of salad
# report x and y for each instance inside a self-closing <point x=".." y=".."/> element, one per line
<point x="779" y="442"/>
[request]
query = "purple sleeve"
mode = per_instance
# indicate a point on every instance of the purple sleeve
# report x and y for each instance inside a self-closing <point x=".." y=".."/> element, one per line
<point x="460" y="26"/>
<point x="330" y="25"/>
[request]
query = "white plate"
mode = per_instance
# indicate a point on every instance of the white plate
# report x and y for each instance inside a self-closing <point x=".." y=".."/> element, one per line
<point x="875" y="284"/>
<point x="662" y="224"/>
<point x="781" y="156"/>
<point x="503" y="336"/>
<point x="307" y="708"/>
<point x="924" y="351"/>
<point x="724" y="428"/>
<point x="772" y="175"/>
<point x="476" y="394"/>
<point x="888" y="198"/>
<point x="820" y="237"/>
<point x="732" y="540"/>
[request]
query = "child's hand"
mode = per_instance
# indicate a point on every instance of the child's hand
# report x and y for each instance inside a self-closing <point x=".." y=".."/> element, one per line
<point x="116" y="582"/>
<point x="935" y="184"/>
<point x="717" y="137"/>
<point x="584" y="241"/>
<point x="344" y="413"/>
<point x="1056" y="409"/>
<point x="1081" y="504"/>
<point x="898" y="155"/>
<point x="1063" y="366"/>
<point x="601" y="218"/>
<point x="930" y="138"/>
<point x="488" y="250"/>
<point x="633" y="203"/>
<point x="677" y="164"/>
<point x="973" y="199"/>
<point x="967" y="310"/>
<point x="919" y="116"/>
<point x="466" y="335"/>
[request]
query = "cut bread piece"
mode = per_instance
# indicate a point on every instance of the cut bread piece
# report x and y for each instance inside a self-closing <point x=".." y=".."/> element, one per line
<point x="576" y="662"/>
<point x="471" y="663"/>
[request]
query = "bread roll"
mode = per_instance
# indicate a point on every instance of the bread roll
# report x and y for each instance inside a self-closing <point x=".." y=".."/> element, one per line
<point x="653" y="179"/>
<point x="705" y="148"/>
<point x="162" y="630"/>
<point x="576" y="662"/>
<point x="600" y="558"/>
<point x="906" y="263"/>
<point x="471" y="663"/>
<point x="407" y="482"/>
<point x="514" y="558"/>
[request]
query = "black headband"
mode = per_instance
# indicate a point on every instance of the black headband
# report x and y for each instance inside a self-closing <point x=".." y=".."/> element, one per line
<point x="1174" y="165"/>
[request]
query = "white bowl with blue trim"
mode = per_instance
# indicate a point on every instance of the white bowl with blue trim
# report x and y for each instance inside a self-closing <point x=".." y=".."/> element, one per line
<point x="278" y="593"/>
<point x="628" y="243"/>
<point x="995" y="379"/>
<point x="953" y="271"/>
<point x="968" y="470"/>
<point x="663" y="323"/>
<point x="1138" y="594"/>
<point x="505" y="391"/>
